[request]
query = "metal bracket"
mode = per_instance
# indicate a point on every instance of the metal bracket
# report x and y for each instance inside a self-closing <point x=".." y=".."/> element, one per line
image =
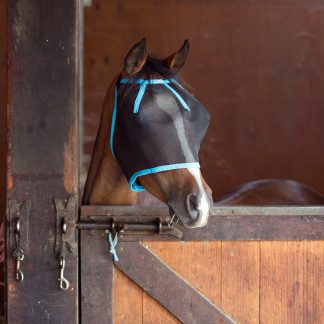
<point x="18" y="214"/>
<point x="65" y="238"/>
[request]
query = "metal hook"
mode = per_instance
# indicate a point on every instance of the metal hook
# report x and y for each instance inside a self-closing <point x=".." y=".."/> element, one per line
<point x="64" y="283"/>
<point x="172" y="218"/>
<point x="18" y="226"/>
<point x="19" y="274"/>
<point x="64" y="226"/>
<point x="18" y="253"/>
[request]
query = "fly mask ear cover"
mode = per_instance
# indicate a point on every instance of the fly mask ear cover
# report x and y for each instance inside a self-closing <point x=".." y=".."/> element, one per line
<point x="156" y="126"/>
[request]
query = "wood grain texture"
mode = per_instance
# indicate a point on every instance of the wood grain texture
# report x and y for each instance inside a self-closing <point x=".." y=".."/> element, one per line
<point x="226" y="223"/>
<point x="97" y="280"/>
<point x="240" y="281"/>
<point x="198" y="263"/>
<point x="226" y="272"/>
<point x="42" y="152"/>
<point x="292" y="282"/>
<point x="154" y="313"/>
<point x="128" y="300"/>
<point x="166" y="286"/>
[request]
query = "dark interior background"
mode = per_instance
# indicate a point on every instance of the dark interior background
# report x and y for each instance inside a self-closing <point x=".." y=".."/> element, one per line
<point x="257" y="66"/>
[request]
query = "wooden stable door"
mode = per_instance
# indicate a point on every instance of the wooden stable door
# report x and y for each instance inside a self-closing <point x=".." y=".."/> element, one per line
<point x="247" y="266"/>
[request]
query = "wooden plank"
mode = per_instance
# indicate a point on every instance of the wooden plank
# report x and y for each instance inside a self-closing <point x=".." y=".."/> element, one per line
<point x="222" y="271"/>
<point x="161" y="211"/>
<point x="97" y="280"/>
<point x="199" y="263"/>
<point x="42" y="152"/>
<point x="226" y="223"/>
<point x="128" y="300"/>
<point x="163" y="284"/>
<point x="240" y="281"/>
<point x="153" y="312"/>
<point x="292" y="282"/>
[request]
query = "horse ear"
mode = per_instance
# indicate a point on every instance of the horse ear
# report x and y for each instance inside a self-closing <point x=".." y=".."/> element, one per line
<point x="177" y="60"/>
<point x="136" y="58"/>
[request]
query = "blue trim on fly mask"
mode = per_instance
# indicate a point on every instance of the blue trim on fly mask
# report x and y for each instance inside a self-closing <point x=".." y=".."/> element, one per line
<point x="143" y="83"/>
<point x="113" y="122"/>
<point x="136" y="187"/>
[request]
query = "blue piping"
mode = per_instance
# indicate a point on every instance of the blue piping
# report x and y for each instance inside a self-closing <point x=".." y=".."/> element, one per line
<point x="179" y="85"/>
<point x="183" y="103"/>
<point x="139" y="97"/>
<point x="142" y="89"/>
<point x="150" y="81"/>
<point x="113" y="122"/>
<point x="136" y="187"/>
<point x="143" y="83"/>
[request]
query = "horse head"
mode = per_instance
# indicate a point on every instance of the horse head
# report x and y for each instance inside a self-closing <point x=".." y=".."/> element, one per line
<point x="156" y="130"/>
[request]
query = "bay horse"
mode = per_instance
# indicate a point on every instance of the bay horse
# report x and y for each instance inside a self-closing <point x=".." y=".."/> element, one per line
<point x="182" y="188"/>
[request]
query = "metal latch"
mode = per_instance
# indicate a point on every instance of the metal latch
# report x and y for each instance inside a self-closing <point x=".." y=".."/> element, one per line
<point x="144" y="227"/>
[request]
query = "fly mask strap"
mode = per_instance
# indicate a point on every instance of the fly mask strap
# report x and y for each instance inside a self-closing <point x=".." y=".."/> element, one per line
<point x="143" y="83"/>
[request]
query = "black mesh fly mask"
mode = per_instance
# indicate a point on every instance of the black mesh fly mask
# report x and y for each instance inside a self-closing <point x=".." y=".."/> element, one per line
<point x="156" y="126"/>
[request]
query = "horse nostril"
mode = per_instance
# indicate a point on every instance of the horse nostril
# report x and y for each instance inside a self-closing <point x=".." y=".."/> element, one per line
<point x="193" y="202"/>
<point x="192" y="206"/>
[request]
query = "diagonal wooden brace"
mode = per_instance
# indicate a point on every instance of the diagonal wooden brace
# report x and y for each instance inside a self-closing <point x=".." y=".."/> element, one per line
<point x="166" y="286"/>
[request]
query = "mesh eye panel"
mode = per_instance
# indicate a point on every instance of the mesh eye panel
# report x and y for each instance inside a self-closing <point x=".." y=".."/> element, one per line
<point x="162" y="135"/>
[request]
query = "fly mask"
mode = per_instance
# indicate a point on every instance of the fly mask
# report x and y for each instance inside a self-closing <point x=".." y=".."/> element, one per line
<point x="156" y="126"/>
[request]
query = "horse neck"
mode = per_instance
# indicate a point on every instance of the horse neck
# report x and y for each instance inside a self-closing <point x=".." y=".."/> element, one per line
<point x="106" y="183"/>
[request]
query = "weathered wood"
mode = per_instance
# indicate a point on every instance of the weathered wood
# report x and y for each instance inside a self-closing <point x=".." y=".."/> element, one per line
<point x="97" y="280"/>
<point x="42" y="151"/>
<point x="198" y="263"/>
<point x="18" y="238"/>
<point x="128" y="300"/>
<point x="166" y="286"/>
<point x="240" y="281"/>
<point x="225" y="223"/>
<point x="163" y="211"/>
<point x="153" y="312"/>
<point x="292" y="282"/>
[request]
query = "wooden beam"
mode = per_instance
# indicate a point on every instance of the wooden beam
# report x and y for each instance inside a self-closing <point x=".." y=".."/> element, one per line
<point x="42" y="157"/>
<point x="97" y="280"/>
<point x="225" y="223"/>
<point x="97" y="210"/>
<point x="166" y="286"/>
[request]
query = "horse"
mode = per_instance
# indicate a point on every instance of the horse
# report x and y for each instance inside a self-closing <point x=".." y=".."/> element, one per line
<point x="182" y="188"/>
